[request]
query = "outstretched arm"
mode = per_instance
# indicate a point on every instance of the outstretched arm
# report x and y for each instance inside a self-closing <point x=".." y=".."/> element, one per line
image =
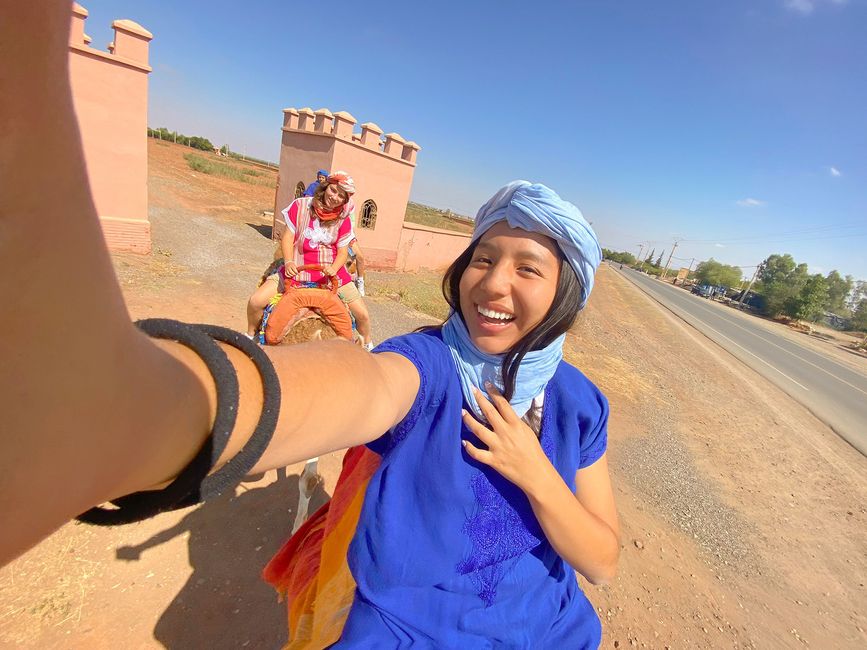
<point x="92" y="408"/>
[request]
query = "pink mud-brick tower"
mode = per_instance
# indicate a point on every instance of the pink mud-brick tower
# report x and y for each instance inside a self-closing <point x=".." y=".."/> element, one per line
<point x="382" y="167"/>
<point x="110" y="92"/>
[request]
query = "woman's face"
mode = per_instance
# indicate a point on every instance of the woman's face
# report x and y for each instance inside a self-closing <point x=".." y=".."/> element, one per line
<point x="334" y="197"/>
<point x="508" y="287"/>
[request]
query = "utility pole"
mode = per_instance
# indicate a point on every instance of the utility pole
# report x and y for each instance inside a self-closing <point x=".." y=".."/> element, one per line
<point x="758" y="270"/>
<point x="668" y="263"/>
<point x="688" y="271"/>
<point x="640" y="248"/>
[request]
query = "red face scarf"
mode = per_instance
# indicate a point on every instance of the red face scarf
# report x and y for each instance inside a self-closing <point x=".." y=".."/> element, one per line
<point x="327" y="215"/>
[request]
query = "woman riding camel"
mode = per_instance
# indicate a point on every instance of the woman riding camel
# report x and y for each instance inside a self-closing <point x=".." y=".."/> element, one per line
<point x="318" y="231"/>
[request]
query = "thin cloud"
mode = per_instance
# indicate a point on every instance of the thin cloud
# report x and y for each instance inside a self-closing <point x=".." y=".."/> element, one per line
<point x="835" y="172"/>
<point x="720" y="245"/>
<point x="750" y="203"/>
<point x="806" y="7"/>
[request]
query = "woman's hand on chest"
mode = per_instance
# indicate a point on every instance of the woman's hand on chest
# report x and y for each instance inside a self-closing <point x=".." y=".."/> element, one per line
<point x="513" y="449"/>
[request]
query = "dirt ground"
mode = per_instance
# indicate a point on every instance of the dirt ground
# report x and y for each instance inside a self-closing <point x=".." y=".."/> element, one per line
<point x="744" y="519"/>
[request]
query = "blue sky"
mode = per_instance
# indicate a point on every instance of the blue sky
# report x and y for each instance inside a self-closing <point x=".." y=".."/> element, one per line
<point x="738" y="127"/>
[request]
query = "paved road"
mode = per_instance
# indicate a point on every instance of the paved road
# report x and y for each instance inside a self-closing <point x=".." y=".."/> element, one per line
<point x="835" y="393"/>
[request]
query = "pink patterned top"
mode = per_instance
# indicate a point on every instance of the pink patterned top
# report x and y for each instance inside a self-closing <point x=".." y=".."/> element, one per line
<point x="317" y="241"/>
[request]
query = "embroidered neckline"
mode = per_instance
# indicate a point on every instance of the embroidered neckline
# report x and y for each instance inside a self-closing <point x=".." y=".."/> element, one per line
<point x="499" y="533"/>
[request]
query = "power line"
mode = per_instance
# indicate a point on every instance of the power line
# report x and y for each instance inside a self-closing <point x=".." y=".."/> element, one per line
<point x="794" y="235"/>
<point x="781" y="237"/>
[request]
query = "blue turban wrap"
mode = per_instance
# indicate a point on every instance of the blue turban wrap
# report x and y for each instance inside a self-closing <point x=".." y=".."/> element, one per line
<point x="322" y="172"/>
<point x="536" y="208"/>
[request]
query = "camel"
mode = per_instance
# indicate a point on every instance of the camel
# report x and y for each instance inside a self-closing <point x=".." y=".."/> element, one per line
<point x="306" y="315"/>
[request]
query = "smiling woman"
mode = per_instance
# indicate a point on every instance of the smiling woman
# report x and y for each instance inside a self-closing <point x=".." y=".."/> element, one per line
<point x="530" y="472"/>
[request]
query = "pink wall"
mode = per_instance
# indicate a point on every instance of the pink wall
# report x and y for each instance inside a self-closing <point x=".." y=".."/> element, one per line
<point x="387" y="182"/>
<point x="382" y="172"/>
<point x="301" y="155"/>
<point x="422" y="247"/>
<point x="110" y="94"/>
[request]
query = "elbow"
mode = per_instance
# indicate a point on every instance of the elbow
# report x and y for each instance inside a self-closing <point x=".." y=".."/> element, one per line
<point x="604" y="571"/>
<point x="602" y="576"/>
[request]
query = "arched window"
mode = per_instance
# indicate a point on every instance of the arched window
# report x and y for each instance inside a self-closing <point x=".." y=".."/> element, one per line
<point x="368" y="215"/>
<point x="299" y="189"/>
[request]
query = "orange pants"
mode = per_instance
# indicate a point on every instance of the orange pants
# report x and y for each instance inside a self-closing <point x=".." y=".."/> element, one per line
<point x="322" y="301"/>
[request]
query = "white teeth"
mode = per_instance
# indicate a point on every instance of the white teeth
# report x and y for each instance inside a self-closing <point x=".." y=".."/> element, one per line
<point x="498" y="315"/>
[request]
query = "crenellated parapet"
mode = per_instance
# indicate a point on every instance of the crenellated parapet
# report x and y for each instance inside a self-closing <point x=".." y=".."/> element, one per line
<point x="110" y="91"/>
<point x="129" y="47"/>
<point x="342" y="126"/>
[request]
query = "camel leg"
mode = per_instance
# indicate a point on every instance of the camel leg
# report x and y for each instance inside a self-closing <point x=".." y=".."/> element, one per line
<point x="307" y="483"/>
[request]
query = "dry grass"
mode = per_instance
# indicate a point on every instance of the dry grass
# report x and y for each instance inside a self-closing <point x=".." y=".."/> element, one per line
<point x="420" y="291"/>
<point x="243" y="173"/>
<point x="434" y="218"/>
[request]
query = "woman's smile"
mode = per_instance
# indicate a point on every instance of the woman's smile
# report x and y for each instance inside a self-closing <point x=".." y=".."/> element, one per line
<point x="492" y="320"/>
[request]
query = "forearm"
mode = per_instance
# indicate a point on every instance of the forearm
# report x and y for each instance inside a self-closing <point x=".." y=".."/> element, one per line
<point x="340" y="258"/>
<point x="135" y="424"/>
<point x="586" y="542"/>
<point x="359" y="260"/>
<point x="91" y="425"/>
<point x="329" y="413"/>
<point x="287" y="245"/>
<point x="309" y="423"/>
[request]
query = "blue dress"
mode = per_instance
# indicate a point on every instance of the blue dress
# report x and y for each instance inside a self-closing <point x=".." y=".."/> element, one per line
<point x="447" y="552"/>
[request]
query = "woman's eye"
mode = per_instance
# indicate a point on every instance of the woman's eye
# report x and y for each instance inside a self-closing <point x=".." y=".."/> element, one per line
<point x="482" y="260"/>
<point x="529" y="269"/>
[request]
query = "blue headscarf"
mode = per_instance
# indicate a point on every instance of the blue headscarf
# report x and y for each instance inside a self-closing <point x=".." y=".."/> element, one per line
<point x="311" y="189"/>
<point x="534" y="208"/>
<point x="537" y="208"/>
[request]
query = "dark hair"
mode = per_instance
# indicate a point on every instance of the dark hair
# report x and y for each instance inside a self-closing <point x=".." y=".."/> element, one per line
<point x="560" y="317"/>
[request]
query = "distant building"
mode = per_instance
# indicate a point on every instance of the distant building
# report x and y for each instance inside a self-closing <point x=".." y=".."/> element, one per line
<point x="110" y="93"/>
<point x="382" y="167"/>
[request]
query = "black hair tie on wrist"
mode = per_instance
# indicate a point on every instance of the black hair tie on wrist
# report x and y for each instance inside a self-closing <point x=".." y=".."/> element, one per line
<point x="193" y="484"/>
<point x="241" y="463"/>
